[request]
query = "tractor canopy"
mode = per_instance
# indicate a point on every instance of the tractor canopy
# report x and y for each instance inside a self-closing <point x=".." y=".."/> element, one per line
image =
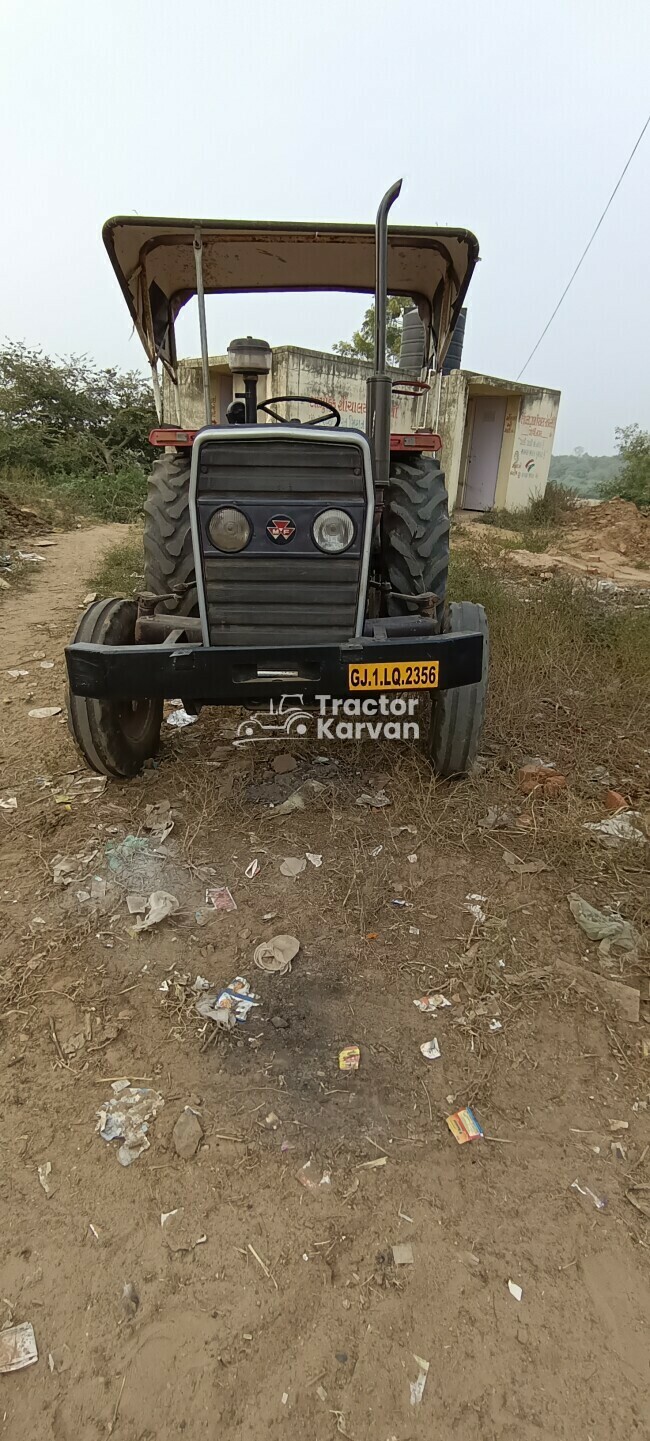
<point x="154" y="261"/>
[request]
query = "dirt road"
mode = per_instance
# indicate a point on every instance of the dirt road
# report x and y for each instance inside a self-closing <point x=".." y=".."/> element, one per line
<point x="268" y="1302"/>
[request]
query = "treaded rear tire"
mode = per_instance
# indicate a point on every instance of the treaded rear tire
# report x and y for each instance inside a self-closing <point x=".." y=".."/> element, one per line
<point x="168" y="550"/>
<point x="114" y="736"/>
<point x="415" y="532"/>
<point x="457" y="715"/>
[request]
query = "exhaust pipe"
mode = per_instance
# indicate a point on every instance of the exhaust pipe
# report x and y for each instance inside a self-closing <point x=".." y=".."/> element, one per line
<point x="379" y="385"/>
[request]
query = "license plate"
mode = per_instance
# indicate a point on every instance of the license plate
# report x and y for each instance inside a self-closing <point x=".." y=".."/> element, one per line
<point x="394" y="675"/>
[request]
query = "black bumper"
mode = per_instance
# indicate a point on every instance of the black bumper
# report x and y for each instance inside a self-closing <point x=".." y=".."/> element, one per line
<point x="230" y="675"/>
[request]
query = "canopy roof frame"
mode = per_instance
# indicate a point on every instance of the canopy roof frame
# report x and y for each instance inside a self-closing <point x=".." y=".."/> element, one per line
<point x="154" y="260"/>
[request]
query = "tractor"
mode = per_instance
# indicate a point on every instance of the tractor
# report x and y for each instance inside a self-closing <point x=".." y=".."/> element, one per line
<point x="284" y="552"/>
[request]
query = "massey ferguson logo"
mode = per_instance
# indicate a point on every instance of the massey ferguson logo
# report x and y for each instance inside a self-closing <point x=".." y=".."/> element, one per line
<point x="281" y="529"/>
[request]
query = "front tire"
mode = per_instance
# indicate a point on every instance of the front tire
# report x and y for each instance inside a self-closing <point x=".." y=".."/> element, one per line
<point x="168" y="550"/>
<point x="415" y="533"/>
<point x="115" y="736"/>
<point x="457" y="716"/>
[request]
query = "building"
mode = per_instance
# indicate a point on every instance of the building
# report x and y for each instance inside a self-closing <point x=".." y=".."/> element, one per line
<point x="497" y="435"/>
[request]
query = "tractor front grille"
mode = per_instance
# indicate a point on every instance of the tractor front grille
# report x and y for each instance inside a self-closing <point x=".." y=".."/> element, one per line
<point x="288" y="593"/>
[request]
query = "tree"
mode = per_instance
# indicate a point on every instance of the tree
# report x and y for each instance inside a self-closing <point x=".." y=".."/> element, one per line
<point x="362" y="344"/>
<point x="633" y="480"/>
<point x="68" y="416"/>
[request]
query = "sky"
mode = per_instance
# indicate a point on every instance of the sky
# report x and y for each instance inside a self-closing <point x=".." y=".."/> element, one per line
<point x="509" y="118"/>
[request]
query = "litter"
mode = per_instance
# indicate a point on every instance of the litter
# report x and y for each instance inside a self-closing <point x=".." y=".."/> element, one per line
<point x="414" y="930"/>
<point x="46" y="664"/>
<point x="181" y="718"/>
<point x="308" y="1180"/>
<point x="187" y="1134"/>
<point x="44" y="712"/>
<point x="375" y="800"/>
<point x="158" y="820"/>
<point x="296" y="801"/>
<point x="16" y="674"/>
<point x="403" y="905"/>
<point x="372" y="1165"/>
<point x="515" y="1290"/>
<point x="430" y="1050"/>
<point x="136" y="904"/>
<point x="599" y="1201"/>
<point x="314" y="860"/>
<point x="475" y="906"/>
<point x="618" y="1150"/>
<point x="376" y="851"/>
<point x="29" y="555"/>
<point x="125" y="1116"/>
<point x="252" y="869"/>
<point x="417" y="1387"/>
<point x="412" y="830"/>
<point x="220" y="899"/>
<point x="412" y="859"/>
<point x="293" y="866"/>
<point x="160" y="905"/>
<point x="464" y="1126"/>
<point x="610" y="930"/>
<point x="497" y="820"/>
<point x="403" y="1254"/>
<point x="523" y="868"/>
<point x="17" y="1347"/>
<point x="495" y="1025"/>
<point x="97" y="889"/>
<point x="9" y="804"/>
<point x="349" y="1058"/>
<point x="621" y="827"/>
<point x="275" y="956"/>
<point x="44" y="1173"/>
<point x="432" y="1003"/>
<point x="232" y="1004"/>
<point x="90" y="597"/>
<point x="632" y="1194"/>
<point x="619" y="1125"/>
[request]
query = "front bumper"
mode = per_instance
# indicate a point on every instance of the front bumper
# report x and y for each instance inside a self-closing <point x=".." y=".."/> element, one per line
<point x="231" y="675"/>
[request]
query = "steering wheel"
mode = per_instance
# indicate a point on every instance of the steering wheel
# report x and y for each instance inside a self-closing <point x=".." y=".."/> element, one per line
<point x="332" y="412"/>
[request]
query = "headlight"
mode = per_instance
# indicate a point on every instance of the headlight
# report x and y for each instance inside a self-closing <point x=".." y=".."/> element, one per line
<point x="229" y="529"/>
<point x="333" y="531"/>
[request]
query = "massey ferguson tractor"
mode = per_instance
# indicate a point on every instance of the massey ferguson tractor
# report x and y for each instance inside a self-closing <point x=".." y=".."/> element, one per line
<point x="285" y="553"/>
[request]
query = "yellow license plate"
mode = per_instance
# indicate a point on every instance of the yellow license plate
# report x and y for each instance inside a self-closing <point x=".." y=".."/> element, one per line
<point x="395" y="675"/>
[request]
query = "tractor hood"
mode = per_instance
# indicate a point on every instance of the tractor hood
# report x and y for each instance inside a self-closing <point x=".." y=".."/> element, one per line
<point x="154" y="263"/>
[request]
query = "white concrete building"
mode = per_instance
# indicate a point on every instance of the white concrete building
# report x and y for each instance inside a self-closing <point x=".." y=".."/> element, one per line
<point x="497" y="435"/>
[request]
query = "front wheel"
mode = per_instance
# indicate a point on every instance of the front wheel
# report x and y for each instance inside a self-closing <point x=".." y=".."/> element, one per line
<point x="115" y="736"/>
<point x="457" y="715"/>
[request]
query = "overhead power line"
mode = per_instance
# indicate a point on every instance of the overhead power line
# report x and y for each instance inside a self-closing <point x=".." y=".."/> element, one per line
<point x="587" y="247"/>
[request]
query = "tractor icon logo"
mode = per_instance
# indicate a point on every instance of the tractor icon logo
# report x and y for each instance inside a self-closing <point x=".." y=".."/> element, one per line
<point x="281" y="529"/>
<point x="290" y="718"/>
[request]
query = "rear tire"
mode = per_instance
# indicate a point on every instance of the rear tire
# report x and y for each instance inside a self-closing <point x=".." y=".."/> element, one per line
<point x="415" y="533"/>
<point x="457" y="715"/>
<point x="115" y="736"/>
<point x="168" y="550"/>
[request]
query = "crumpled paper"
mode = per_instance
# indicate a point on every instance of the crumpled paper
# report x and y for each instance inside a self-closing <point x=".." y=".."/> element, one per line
<point x="124" y="1117"/>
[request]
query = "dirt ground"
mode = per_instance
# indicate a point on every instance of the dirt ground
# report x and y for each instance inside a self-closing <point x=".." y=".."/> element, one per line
<point x="270" y="1305"/>
<point x="609" y="542"/>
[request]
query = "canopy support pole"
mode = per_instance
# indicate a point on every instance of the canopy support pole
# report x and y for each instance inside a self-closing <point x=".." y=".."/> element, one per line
<point x="203" y="329"/>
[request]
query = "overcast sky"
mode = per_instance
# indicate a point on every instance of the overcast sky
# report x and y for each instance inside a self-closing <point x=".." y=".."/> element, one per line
<point x="510" y="118"/>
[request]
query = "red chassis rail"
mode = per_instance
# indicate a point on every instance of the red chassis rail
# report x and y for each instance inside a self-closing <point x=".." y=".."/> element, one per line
<point x="175" y="436"/>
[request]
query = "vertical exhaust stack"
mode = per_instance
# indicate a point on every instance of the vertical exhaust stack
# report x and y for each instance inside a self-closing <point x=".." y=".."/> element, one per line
<point x="379" y="385"/>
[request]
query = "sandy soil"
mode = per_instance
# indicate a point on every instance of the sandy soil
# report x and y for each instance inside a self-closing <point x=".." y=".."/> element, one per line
<point x="266" y="1308"/>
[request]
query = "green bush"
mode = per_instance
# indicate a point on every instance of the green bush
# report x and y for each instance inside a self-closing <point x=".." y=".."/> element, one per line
<point x="633" y="480"/>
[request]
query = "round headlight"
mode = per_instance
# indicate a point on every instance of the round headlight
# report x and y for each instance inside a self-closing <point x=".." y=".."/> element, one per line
<point x="333" y="531"/>
<point x="229" y="529"/>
